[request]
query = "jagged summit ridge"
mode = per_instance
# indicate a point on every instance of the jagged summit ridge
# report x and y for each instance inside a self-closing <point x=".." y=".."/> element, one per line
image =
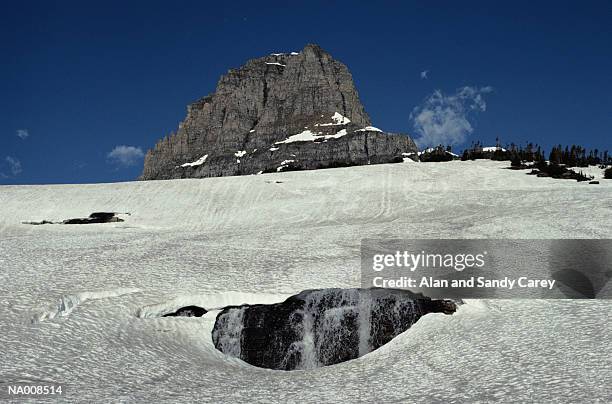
<point x="281" y="111"/>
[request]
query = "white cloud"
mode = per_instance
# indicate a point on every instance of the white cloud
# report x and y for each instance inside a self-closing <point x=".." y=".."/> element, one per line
<point x="444" y="119"/>
<point x="424" y="74"/>
<point x="22" y="133"/>
<point x="125" y="155"/>
<point x="14" y="165"/>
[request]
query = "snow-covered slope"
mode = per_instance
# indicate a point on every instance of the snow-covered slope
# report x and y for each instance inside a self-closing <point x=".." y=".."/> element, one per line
<point x="80" y="305"/>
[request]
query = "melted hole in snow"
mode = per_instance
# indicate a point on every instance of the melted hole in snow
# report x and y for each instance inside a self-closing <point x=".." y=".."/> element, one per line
<point x="320" y="327"/>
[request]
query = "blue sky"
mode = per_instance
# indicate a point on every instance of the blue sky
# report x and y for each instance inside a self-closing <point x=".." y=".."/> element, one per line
<point x="79" y="79"/>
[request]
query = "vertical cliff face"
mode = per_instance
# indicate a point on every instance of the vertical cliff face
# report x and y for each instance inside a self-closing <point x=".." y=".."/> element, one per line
<point x="282" y="111"/>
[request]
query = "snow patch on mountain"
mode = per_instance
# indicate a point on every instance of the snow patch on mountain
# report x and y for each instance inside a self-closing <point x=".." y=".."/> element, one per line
<point x="338" y="119"/>
<point x="309" y="136"/>
<point x="369" y="129"/>
<point x="305" y="136"/>
<point x="198" y="162"/>
<point x="284" y="165"/>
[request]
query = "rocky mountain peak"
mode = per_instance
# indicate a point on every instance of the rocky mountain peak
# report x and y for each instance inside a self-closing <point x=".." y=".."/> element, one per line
<point x="300" y="107"/>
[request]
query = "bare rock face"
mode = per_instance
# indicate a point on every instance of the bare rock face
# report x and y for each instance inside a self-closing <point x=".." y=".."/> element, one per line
<point x="282" y="111"/>
<point x="320" y="327"/>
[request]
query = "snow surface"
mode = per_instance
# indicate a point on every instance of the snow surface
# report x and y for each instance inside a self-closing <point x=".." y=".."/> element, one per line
<point x="309" y="136"/>
<point x="492" y="149"/>
<point x="594" y="171"/>
<point x="198" y="162"/>
<point x="258" y="239"/>
<point x="284" y="164"/>
<point x="337" y="119"/>
<point x="369" y="129"/>
<point x="428" y="150"/>
<point x="275" y="63"/>
<point x="305" y="136"/>
<point x="338" y="134"/>
<point x="240" y="153"/>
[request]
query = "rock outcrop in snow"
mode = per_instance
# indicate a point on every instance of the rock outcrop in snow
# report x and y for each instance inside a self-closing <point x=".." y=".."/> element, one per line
<point x="290" y="106"/>
<point x="94" y="218"/>
<point x="188" y="311"/>
<point x="320" y="327"/>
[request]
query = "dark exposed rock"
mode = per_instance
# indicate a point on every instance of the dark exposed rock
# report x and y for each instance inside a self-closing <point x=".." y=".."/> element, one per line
<point x="320" y="327"/>
<point x="437" y="154"/>
<point x="557" y="171"/>
<point x="477" y="152"/>
<point x="245" y="126"/>
<point x="38" y="222"/>
<point x="188" y="311"/>
<point x="104" y="216"/>
<point x="594" y="182"/>
<point x="96" y="217"/>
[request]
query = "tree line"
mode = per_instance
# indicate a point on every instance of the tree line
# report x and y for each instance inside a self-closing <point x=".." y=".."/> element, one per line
<point x="571" y="156"/>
